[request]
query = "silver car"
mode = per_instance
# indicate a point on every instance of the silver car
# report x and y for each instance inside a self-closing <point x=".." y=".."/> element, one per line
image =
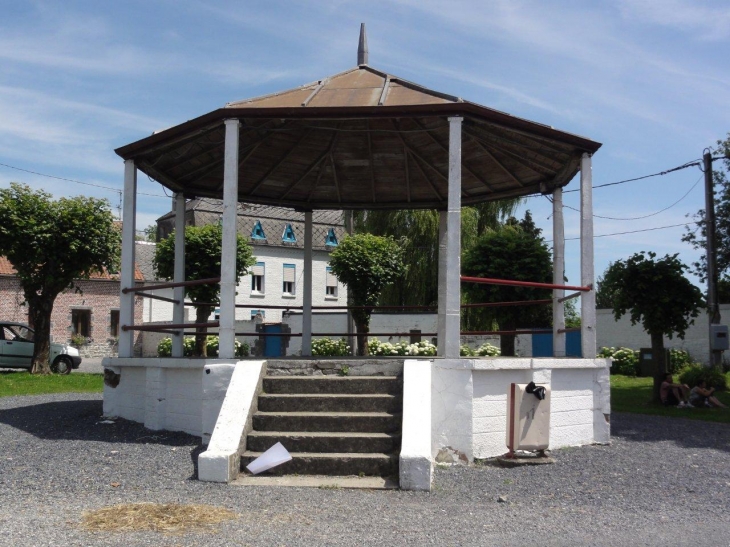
<point x="16" y="349"/>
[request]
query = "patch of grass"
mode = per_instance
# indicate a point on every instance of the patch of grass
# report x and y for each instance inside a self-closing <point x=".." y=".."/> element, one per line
<point x="13" y="382"/>
<point x="634" y="395"/>
<point x="157" y="517"/>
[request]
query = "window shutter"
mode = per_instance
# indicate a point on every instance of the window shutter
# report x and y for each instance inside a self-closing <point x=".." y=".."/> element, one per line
<point x="331" y="279"/>
<point x="289" y="272"/>
<point x="258" y="269"/>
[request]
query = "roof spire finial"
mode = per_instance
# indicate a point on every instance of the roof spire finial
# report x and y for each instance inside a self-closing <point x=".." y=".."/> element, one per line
<point x="362" y="47"/>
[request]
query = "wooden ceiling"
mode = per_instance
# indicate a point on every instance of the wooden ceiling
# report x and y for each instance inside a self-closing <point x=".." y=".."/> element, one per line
<point x="361" y="139"/>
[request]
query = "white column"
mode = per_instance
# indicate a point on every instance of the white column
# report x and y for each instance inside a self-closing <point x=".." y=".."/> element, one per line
<point x="307" y="294"/>
<point x="178" y="310"/>
<point x="226" y="349"/>
<point x="587" y="299"/>
<point x="450" y="291"/>
<point x="126" y="301"/>
<point x="441" y="317"/>
<point x="558" y="273"/>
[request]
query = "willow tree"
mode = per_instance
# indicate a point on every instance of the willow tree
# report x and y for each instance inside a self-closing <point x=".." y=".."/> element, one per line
<point x="417" y="233"/>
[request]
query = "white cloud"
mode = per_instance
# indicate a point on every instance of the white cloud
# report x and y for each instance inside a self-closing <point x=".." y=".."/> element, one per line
<point x="706" y="20"/>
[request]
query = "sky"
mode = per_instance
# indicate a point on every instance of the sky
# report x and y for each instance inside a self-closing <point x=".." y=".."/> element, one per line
<point x="650" y="79"/>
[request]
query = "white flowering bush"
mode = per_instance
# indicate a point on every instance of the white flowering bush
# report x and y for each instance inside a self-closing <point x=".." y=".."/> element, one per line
<point x="164" y="348"/>
<point x="419" y="349"/>
<point x="327" y="347"/>
<point x="488" y="350"/>
<point x="625" y="360"/>
<point x="466" y="351"/>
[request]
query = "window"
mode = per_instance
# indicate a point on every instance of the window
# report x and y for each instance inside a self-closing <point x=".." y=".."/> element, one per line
<point x="331" y="240"/>
<point x="257" y="278"/>
<point x="254" y="313"/>
<point x="258" y="231"/>
<point x="331" y="283"/>
<point x="114" y="323"/>
<point x="81" y="322"/>
<point x="289" y="276"/>
<point x="288" y="235"/>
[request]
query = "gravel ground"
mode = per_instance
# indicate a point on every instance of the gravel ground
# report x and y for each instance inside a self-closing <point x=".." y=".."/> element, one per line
<point x="661" y="482"/>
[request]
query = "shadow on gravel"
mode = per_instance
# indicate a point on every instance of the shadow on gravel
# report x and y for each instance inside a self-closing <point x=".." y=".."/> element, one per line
<point x="82" y="420"/>
<point x="686" y="433"/>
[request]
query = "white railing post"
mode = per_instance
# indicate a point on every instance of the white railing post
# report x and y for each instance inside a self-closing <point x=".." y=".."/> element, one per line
<point x="307" y="294"/>
<point x="178" y="310"/>
<point x="587" y="299"/>
<point x="558" y="274"/>
<point x="126" y="301"/>
<point x="227" y="331"/>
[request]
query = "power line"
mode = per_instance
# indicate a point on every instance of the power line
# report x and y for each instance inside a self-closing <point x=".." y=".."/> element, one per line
<point x="641" y="217"/>
<point x="660" y="173"/>
<point x="629" y="232"/>
<point x="77" y="181"/>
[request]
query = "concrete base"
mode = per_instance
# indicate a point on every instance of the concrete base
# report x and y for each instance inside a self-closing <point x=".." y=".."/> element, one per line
<point x="522" y="460"/>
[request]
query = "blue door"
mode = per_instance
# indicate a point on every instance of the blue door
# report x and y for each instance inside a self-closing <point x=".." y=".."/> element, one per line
<point x="272" y="344"/>
<point x="542" y="344"/>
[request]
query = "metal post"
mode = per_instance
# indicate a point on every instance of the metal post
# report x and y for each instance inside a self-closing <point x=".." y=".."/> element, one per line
<point x="178" y="310"/>
<point x="587" y="299"/>
<point x="441" y="316"/>
<point x="350" y="228"/>
<point x="713" y="306"/>
<point x="307" y="295"/>
<point x="558" y="274"/>
<point x="126" y="301"/>
<point x="227" y="331"/>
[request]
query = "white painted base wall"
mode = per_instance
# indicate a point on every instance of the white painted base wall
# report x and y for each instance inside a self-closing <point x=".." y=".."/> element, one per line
<point x="171" y="394"/>
<point x="469" y="403"/>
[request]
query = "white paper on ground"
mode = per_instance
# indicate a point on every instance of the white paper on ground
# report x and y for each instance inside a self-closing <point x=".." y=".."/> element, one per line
<point x="276" y="455"/>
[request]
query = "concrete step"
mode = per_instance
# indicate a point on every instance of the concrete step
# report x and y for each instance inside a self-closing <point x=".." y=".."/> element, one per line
<point x="261" y="441"/>
<point x="333" y="384"/>
<point x="364" y="422"/>
<point x="310" y="463"/>
<point x="330" y="402"/>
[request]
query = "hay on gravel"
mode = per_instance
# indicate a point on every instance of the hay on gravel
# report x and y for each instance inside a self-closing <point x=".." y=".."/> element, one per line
<point x="158" y="517"/>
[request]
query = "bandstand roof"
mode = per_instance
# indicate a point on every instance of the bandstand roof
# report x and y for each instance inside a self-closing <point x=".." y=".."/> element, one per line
<point x="361" y="139"/>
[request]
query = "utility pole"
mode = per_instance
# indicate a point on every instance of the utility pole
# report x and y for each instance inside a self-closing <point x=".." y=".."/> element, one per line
<point x="713" y="306"/>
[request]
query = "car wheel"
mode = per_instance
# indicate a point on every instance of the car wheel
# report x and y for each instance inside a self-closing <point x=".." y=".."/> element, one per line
<point x="62" y="365"/>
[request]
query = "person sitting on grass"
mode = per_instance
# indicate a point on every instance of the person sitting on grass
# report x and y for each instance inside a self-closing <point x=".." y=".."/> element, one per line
<point x="700" y="395"/>
<point x="673" y="394"/>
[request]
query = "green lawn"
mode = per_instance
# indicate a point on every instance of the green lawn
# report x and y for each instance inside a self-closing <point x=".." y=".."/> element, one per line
<point x="634" y="395"/>
<point x="13" y="382"/>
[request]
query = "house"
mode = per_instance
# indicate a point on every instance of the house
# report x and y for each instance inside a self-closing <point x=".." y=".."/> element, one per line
<point x="91" y="313"/>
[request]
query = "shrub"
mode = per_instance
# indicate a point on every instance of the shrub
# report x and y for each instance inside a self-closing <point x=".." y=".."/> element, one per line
<point x="624" y="360"/>
<point x="164" y="348"/>
<point x="488" y="350"/>
<point x="714" y="377"/>
<point x="679" y="359"/>
<point x="466" y="351"/>
<point x="327" y="347"/>
<point x="420" y="349"/>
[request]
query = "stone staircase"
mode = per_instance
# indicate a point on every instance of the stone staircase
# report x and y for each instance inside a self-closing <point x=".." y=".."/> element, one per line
<point x="331" y="425"/>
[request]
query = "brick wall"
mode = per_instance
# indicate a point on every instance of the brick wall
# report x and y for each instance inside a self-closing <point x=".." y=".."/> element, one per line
<point x="100" y="297"/>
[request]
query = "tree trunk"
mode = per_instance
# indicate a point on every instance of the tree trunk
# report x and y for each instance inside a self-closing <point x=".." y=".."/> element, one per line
<point x="362" y="338"/>
<point x="660" y="363"/>
<point x="202" y="313"/>
<point x="41" y="320"/>
<point x="507" y="345"/>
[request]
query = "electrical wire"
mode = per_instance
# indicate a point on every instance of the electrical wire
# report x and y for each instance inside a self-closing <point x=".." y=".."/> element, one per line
<point x="660" y="173"/>
<point x="641" y="217"/>
<point x="77" y="181"/>
<point x="631" y="231"/>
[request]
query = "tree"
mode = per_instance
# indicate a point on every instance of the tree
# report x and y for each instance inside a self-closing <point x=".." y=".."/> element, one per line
<point x="656" y="294"/>
<point x="366" y="264"/>
<point x="417" y="232"/>
<point x="511" y="252"/>
<point x="202" y="261"/>
<point x="604" y="298"/>
<point x="51" y="244"/>
<point x="148" y="234"/>
<point x="721" y="183"/>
